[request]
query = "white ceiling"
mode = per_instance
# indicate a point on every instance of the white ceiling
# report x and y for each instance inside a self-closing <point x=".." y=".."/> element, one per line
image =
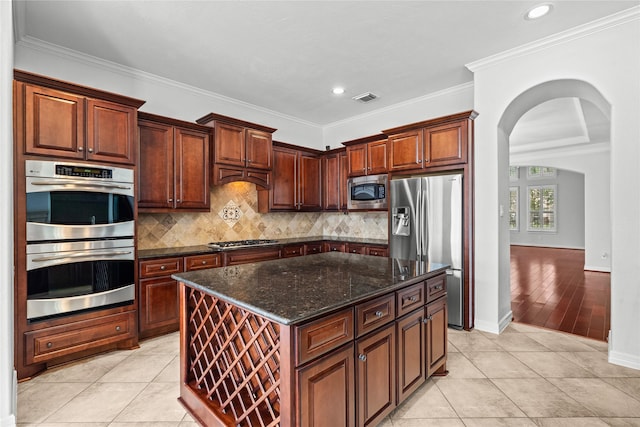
<point x="286" y="56"/>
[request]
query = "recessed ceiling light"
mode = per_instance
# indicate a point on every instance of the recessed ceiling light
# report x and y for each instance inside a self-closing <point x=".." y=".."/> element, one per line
<point x="338" y="90"/>
<point x="538" y="11"/>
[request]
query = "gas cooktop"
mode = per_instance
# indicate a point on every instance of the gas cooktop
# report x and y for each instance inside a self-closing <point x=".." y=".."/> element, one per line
<point x="242" y="243"/>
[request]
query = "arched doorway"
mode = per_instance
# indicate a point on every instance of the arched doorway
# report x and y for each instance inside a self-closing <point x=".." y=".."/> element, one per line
<point x="565" y="124"/>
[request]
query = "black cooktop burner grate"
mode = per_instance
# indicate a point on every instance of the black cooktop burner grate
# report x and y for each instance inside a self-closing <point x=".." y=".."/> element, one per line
<point x="238" y="243"/>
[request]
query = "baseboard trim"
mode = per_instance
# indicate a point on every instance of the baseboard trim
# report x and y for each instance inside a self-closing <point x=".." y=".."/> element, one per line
<point x="598" y="269"/>
<point x="494" y="328"/>
<point x="623" y="359"/>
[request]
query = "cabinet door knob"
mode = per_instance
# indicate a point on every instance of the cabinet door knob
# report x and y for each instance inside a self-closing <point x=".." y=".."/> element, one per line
<point x="49" y="344"/>
<point x="118" y="328"/>
<point x="362" y="357"/>
<point x="413" y="299"/>
<point x="163" y="268"/>
<point x="91" y="150"/>
<point x="80" y="149"/>
<point x="178" y="201"/>
<point x="379" y="313"/>
<point x="170" y="200"/>
<point x="425" y="320"/>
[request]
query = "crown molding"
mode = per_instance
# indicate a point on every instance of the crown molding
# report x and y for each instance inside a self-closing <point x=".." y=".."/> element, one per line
<point x="623" y="17"/>
<point x="33" y="43"/>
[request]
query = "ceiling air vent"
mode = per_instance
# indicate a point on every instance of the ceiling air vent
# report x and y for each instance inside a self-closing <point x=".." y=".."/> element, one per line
<point x="365" y="97"/>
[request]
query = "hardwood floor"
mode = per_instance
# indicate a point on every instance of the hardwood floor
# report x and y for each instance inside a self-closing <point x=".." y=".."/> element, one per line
<point x="549" y="288"/>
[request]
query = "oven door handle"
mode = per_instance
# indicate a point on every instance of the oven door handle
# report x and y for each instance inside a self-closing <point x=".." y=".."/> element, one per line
<point x="57" y="183"/>
<point x="81" y="255"/>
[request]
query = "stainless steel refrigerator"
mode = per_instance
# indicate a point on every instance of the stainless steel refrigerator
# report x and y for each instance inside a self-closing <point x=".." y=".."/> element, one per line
<point x="425" y="224"/>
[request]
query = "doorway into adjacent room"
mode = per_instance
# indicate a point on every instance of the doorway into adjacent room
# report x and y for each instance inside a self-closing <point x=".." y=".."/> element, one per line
<point x="560" y="280"/>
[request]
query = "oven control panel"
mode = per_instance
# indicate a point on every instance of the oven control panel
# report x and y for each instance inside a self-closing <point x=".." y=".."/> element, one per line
<point x="84" y="171"/>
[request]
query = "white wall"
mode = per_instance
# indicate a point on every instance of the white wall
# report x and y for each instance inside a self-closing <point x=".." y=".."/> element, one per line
<point x="597" y="203"/>
<point x="605" y="56"/>
<point x="569" y="211"/>
<point x="7" y="374"/>
<point x="164" y="97"/>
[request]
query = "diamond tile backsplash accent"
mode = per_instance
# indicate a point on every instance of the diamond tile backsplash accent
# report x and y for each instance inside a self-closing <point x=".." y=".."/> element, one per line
<point x="234" y="216"/>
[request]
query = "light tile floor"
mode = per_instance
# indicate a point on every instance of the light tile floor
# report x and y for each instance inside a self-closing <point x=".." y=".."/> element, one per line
<point x="525" y="376"/>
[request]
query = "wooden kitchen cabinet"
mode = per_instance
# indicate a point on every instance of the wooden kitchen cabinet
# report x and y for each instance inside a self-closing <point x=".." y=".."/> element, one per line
<point x="367" y="156"/>
<point x="335" y="174"/>
<point x="334" y="247"/>
<point x="242" y="151"/>
<point x="174" y="165"/>
<point x="313" y="248"/>
<point x="296" y="249"/>
<point x="436" y="336"/>
<point x="367" y="249"/>
<point x="243" y="256"/>
<point x="297" y="181"/>
<point x="326" y="390"/>
<point x="158" y="300"/>
<point x="376" y="375"/>
<point x="438" y="142"/>
<point x="411" y="336"/>
<point x="64" y="120"/>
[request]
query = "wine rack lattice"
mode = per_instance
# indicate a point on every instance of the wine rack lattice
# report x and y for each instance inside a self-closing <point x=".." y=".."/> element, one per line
<point x="234" y="360"/>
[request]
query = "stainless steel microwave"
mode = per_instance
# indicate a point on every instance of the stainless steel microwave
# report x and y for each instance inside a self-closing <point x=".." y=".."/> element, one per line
<point x="367" y="192"/>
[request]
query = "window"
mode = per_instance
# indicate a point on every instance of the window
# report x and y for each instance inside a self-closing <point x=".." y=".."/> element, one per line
<point x="514" y="173"/>
<point x="541" y="208"/>
<point x="540" y="172"/>
<point x="514" y="197"/>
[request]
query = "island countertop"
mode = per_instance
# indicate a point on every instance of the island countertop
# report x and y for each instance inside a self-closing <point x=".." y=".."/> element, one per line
<point x="292" y="290"/>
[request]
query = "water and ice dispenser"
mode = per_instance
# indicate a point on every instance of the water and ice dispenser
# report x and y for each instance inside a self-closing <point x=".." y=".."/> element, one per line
<point x="401" y="221"/>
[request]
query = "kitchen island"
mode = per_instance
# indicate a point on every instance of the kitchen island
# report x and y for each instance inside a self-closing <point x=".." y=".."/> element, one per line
<point x="330" y="339"/>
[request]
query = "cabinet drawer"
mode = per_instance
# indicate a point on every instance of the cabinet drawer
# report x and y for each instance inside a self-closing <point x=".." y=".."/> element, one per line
<point x="58" y="341"/>
<point x="198" y="262"/>
<point x="320" y="336"/>
<point x="377" y="251"/>
<point x="293" y="250"/>
<point x="436" y="287"/>
<point x="410" y="298"/>
<point x="334" y="247"/>
<point x="354" y="248"/>
<point x="312" y="248"/>
<point x="160" y="267"/>
<point x="375" y="313"/>
<point x="244" y="256"/>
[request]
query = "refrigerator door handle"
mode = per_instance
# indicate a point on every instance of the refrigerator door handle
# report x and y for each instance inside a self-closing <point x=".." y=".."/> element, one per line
<point x="450" y="271"/>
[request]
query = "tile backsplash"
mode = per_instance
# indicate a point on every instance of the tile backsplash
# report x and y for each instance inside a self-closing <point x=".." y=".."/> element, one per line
<point x="234" y="216"/>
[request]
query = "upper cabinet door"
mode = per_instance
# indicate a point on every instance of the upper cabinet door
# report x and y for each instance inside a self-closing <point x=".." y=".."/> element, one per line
<point x="192" y="169"/>
<point x="405" y="150"/>
<point x="285" y="175"/>
<point x="310" y="183"/>
<point x="54" y="123"/>
<point x="446" y="144"/>
<point x="111" y="132"/>
<point x="357" y="159"/>
<point x="155" y="171"/>
<point x="229" y="144"/>
<point x="258" y="149"/>
<point x="377" y="157"/>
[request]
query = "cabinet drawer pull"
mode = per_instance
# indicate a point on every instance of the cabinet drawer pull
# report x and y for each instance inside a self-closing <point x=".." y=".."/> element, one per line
<point x="118" y="328"/>
<point x="204" y="262"/>
<point x="163" y="268"/>
<point x="362" y="357"/>
<point x="49" y="344"/>
<point x="437" y="288"/>
<point x="413" y="299"/>
<point x="379" y="313"/>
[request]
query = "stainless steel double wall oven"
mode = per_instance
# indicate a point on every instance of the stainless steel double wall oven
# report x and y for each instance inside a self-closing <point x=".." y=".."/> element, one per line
<point x="80" y="237"/>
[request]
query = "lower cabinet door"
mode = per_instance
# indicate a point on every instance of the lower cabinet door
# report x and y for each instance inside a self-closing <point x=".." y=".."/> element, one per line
<point x="436" y="336"/>
<point x="326" y="391"/>
<point x="411" y="353"/>
<point x="376" y="375"/>
<point x="158" y="305"/>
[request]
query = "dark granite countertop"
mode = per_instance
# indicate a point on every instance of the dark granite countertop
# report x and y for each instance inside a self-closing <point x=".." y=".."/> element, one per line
<point x="292" y="290"/>
<point x="200" y="249"/>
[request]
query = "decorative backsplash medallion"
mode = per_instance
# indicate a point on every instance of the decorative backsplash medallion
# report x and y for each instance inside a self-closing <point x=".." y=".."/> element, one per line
<point x="234" y="216"/>
<point x="230" y="213"/>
